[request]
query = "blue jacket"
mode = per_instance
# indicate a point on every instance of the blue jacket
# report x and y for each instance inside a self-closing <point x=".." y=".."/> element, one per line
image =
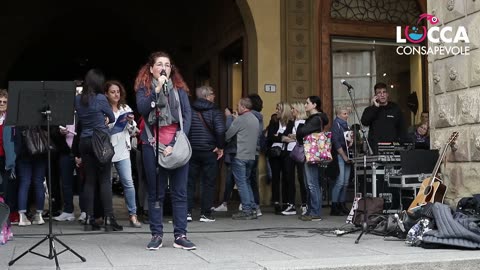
<point x="144" y="107"/>
<point x="9" y="147"/>
<point x="93" y="115"/>
<point x="206" y="138"/>
<point x="338" y="127"/>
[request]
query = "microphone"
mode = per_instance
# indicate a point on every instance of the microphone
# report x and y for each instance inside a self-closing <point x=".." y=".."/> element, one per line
<point x="346" y="84"/>
<point x="165" y="84"/>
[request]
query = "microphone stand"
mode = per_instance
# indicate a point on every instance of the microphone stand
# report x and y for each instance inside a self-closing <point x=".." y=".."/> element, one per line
<point x="369" y="152"/>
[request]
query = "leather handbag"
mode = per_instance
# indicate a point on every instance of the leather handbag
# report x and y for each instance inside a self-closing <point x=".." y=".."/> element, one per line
<point x="318" y="148"/>
<point x="102" y="146"/>
<point x="298" y="153"/>
<point x="275" y="151"/>
<point x="36" y="141"/>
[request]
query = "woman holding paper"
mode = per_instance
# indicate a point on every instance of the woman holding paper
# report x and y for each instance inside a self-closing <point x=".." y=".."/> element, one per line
<point x="121" y="130"/>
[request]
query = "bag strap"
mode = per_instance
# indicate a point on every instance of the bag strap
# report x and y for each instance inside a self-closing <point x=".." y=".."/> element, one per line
<point x="203" y="121"/>
<point x="150" y="137"/>
<point x="180" y="107"/>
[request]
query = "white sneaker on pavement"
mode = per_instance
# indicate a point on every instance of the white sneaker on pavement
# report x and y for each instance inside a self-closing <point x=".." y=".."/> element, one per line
<point x="259" y="212"/>
<point x="38" y="219"/>
<point x="221" y="208"/>
<point x="23" y="220"/>
<point x="82" y="217"/>
<point x="64" y="216"/>
<point x="290" y="210"/>
<point x="304" y="209"/>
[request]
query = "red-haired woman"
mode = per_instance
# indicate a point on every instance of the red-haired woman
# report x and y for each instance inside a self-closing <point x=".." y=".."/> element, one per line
<point x="155" y="86"/>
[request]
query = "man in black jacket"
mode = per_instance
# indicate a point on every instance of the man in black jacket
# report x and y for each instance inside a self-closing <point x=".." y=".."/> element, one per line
<point x="384" y="119"/>
<point x="207" y="137"/>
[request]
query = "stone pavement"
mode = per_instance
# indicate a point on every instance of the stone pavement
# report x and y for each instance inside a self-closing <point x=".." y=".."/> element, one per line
<point x="271" y="242"/>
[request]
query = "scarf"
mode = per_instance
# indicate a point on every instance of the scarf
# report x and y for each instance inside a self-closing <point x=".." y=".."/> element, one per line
<point x="166" y="104"/>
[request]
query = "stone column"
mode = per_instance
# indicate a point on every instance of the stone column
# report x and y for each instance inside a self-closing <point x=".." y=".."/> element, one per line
<point x="454" y="90"/>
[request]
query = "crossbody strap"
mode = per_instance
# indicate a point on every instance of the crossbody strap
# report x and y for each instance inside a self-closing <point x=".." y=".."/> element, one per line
<point x="203" y="121"/>
<point x="150" y="137"/>
<point x="180" y="108"/>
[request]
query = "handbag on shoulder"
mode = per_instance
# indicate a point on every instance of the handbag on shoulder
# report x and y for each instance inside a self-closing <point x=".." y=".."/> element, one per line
<point x="318" y="147"/>
<point x="102" y="146"/>
<point x="36" y="141"/>
<point x="298" y="153"/>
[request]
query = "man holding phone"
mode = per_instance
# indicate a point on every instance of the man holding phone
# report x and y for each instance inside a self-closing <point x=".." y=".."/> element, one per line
<point x="384" y="119"/>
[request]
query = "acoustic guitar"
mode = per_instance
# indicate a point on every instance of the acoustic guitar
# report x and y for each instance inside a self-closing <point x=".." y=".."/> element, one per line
<point x="432" y="188"/>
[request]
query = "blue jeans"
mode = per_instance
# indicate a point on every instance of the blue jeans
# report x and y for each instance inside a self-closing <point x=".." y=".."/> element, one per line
<point x="67" y="163"/>
<point x="157" y="184"/>
<point x="203" y="165"/>
<point x="124" y="169"/>
<point x="31" y="170"/>
<point x="241" y="170"/>
<point x="314" y="189"/>
<point x="229" y="182"/>
<point x="254" y="181"/>
<point x="339" y="191"/>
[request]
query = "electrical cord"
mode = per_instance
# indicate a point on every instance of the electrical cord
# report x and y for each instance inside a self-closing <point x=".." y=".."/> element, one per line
<point x="269" y="232"/>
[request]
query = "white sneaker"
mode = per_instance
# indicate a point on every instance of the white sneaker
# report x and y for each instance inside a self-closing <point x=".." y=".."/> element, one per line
<point x="23" y="220"/>
<point x="221" y="208"/>
<point x="64" y="216"/>
<point x="38" y="219"/>
<point x="290" y="210"/>
<point x="304" y="209"/>
<point x="82" y="217"/>
<point x="204" y="218"/>
<point x="189" y="217"/>
<point x="259" y="212"/>
<point x="240" y="207"/>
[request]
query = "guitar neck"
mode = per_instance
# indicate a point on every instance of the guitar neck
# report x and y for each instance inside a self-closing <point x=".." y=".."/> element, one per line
<point x="439" y="162"/>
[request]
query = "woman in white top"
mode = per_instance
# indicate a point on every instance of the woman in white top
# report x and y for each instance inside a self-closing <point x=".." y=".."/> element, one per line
<point x="299" y="116"/>
<point x="279" y="159"/>
<point x="121" y="130"/>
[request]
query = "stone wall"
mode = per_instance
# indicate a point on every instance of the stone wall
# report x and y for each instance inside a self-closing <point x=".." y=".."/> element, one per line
<point x="454" y="84"/>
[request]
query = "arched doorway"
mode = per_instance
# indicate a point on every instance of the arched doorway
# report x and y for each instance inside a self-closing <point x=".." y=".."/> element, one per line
<point x="62" y="43"/>
<point x="59" y="43"/>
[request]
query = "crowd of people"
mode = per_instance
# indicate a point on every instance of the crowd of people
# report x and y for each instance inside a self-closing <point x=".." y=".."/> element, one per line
<point x="234" y="138"/>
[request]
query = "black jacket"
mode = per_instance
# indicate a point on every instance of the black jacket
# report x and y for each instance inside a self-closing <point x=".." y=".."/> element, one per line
<point x="314" y="123"/>
<point x="385" y="124"/>
<point x="204" y="138"/>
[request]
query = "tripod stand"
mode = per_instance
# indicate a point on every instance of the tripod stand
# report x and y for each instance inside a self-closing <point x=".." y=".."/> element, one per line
<point x="39" y="99"/>
<point x="367" y="153"/>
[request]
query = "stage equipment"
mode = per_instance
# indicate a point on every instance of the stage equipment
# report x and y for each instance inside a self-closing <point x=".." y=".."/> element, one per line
<point x="42" y="103"/>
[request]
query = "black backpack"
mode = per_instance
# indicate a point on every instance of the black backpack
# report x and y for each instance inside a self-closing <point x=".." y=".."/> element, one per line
<point x="102" y="147"/>
<point x="469" y="205"/>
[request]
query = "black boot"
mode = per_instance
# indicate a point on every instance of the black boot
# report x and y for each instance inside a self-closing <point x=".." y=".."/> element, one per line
<point x="90" y="224"/>
<point x="344" y="208"/>
<point x="335" y="210"/>
<point x="112" y="225"/>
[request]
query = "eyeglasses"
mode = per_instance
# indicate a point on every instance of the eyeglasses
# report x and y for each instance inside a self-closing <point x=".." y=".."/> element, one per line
<point x="163" y="65"/>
